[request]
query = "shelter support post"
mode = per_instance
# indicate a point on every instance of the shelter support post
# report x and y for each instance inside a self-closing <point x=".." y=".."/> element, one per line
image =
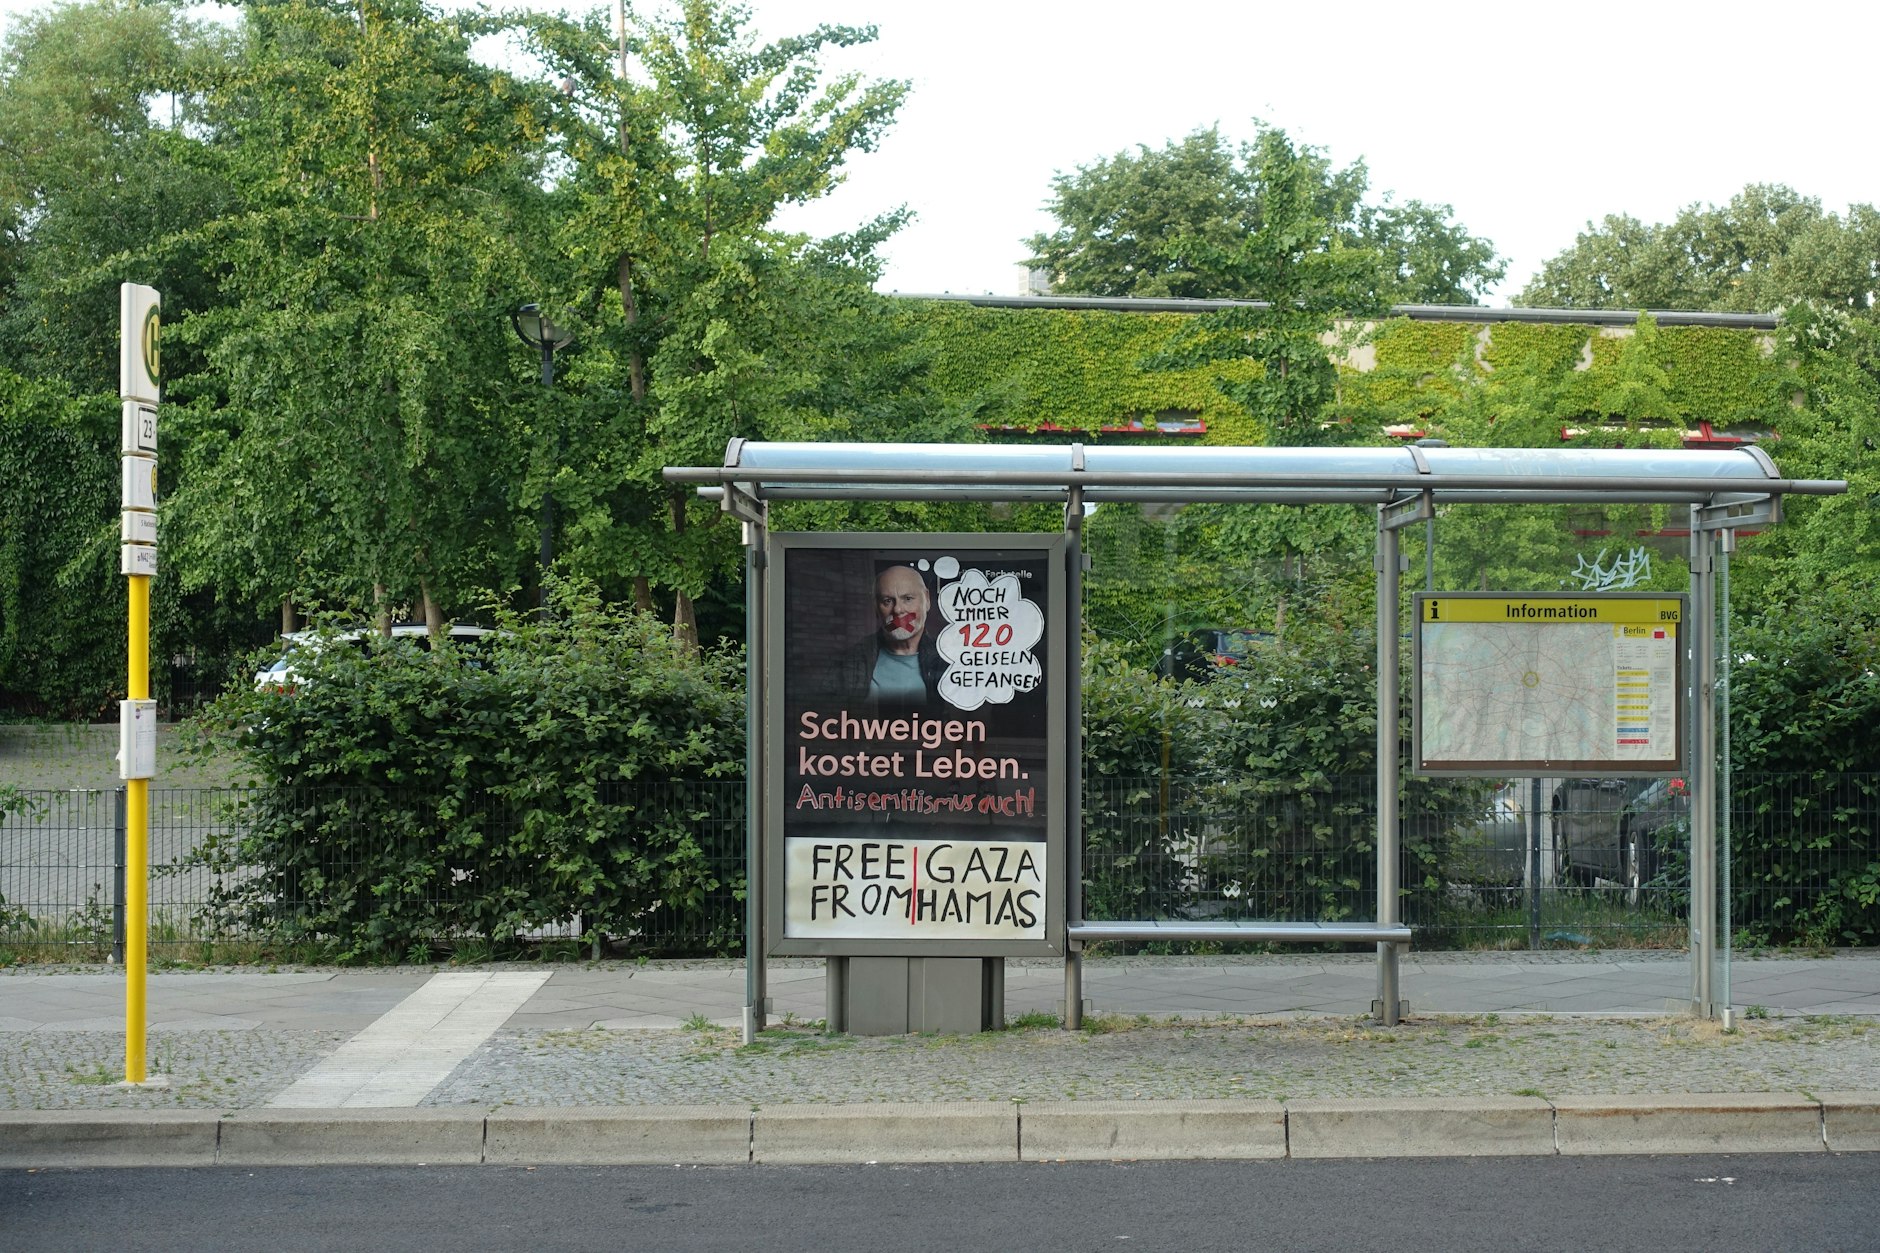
<point x="1726" y="544"/>
<point x="756" y="990"/>
<point x="1389" y="1006"/>
<point x="1072" y="661"/>
<point x="1701" y="777"/>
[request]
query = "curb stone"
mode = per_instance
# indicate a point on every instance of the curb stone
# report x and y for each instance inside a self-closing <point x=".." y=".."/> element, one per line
<point x="356" y="1137"/>
<point x="108" y="1137"/>
<point x="938" y="1131"/>
<point x="1718" y="1122"/>
<point x="1850" y="1121"/>
<point x="958" y="1131"/>
<point x="1427" y="1126"/>
<point x="1143" y="1130"/>
<point x="652" y="1135"/>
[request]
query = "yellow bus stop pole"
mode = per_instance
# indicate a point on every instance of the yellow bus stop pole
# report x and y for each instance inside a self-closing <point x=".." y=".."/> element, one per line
<point x="139" y="322"/>
<point x="137" y="849"/>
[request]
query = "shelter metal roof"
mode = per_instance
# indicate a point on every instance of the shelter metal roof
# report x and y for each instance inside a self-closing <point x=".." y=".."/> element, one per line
<point x="1251" y="475"/>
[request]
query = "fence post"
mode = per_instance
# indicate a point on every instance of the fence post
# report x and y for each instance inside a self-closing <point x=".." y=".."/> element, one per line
<point x="1534" y="863"/>
<point x="118" y="853"/>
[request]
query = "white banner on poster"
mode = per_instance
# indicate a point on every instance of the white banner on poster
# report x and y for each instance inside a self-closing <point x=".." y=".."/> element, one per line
<point x="850" y="887"/>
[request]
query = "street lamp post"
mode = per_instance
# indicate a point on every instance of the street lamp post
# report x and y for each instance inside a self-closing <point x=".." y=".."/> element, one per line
<point x="538" y="332"/>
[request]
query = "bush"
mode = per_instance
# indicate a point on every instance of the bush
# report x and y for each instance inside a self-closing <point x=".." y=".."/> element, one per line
<point x="1805" y="739"/>
<point x="408" y="797"/>
<point x="1295" y="753"/>
<point x="1144" y="739"/>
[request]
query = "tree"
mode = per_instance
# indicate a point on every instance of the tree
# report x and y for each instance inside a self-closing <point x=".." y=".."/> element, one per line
<point x="1767" y="248"/>
<point x="1311" y="280"/>
<point x="352" y="435"/>
<point x="704" y="321"/>
<point x="61" y="599"/>
<point x="1827" y="545"/>
<point x="98" y="163"/>
<point x="1157" y="222"/>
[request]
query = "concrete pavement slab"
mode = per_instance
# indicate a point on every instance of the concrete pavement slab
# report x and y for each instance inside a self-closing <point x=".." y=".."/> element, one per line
<point x="398" y="1059"/>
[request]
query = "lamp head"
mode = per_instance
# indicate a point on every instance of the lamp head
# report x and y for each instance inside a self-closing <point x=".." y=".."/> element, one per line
<point x="537" y="331"/>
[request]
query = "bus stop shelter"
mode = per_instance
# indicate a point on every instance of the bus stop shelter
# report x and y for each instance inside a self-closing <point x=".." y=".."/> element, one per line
<point x="1723" y="490"/>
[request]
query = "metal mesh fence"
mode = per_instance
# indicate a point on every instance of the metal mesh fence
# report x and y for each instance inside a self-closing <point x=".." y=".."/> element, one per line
<point x="232" y="867"/>
<point x="238" y="870"/>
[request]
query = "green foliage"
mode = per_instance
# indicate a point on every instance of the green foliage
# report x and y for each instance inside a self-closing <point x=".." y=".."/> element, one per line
<point x="1310" y="281"/>
<point x="406" y="797"/>
<point x="1766" y="249"/>
<point x="348" y="437"/>
<point x="1827" y="543"/>
<point x="99" y="166"/>
<point x="1416" y="368"/>
<point x="1170" y="222"/>
<point x="1143" y="744"/>
<point x="1074" y="370"/>
<point x="705" y="321"/>
<point x="62" y="607"/>
<point x="1804" y="740"/>
<point x="1805" y="688"/>
<point x="1294" y="751"/>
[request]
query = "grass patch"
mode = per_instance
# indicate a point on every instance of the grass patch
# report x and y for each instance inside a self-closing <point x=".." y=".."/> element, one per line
<point x="1575" y="918"/>
<point x="1034" y="1020"/>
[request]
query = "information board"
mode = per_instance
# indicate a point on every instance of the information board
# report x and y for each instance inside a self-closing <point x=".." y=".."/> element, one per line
<point x="915" y="759"/>
<point x="1548" y="683"/>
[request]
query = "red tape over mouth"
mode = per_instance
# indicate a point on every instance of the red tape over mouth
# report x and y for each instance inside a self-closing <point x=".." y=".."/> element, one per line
<point x="901" y="622"/>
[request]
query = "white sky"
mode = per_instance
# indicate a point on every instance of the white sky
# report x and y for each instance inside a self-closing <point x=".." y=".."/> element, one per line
<point x="1529" y="119"/>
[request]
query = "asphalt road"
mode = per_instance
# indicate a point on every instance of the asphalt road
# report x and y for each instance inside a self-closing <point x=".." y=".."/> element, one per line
<point x="1711" y="1203"/>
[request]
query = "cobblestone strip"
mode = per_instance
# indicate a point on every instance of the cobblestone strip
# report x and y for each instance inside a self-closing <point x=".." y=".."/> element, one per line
<point x="1171" y="1060"/>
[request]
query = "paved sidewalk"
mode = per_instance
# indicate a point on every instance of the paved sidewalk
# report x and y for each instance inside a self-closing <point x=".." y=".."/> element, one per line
<point x="397" y="1051"/>
<point x="626" y="995"/>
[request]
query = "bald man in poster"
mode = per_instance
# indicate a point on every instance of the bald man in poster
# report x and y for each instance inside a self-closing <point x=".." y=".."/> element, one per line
<point x="898" y="665"/>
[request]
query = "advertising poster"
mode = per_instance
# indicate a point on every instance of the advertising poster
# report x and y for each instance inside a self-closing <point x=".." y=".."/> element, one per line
<point x="915" y="781"/>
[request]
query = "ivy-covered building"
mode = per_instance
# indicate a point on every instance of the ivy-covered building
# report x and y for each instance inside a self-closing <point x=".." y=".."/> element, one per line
<point x="1046" y="364"/>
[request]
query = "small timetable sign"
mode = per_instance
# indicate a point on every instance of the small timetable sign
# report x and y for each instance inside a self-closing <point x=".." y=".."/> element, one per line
<point x="1548" y="683"/>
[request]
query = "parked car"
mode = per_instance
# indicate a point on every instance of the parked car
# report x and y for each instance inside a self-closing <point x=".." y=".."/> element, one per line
<point x="284" y="675"/>
<point x="1655" y="821"/>
<point x="1195" y="656"/>
<point x="1585" y="816"/>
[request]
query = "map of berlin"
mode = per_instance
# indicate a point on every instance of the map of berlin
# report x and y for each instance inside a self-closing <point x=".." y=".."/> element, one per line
<point x="1515" y="684"/>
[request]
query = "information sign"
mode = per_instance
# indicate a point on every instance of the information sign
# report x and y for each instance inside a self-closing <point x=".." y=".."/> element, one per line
<point x="1548" y="683"/>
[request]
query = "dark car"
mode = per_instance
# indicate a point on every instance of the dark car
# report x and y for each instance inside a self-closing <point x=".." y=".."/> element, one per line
<point x="1586" y="817"/>
<point x="1194" y="656"/>
<point x="1654" y="824"/>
